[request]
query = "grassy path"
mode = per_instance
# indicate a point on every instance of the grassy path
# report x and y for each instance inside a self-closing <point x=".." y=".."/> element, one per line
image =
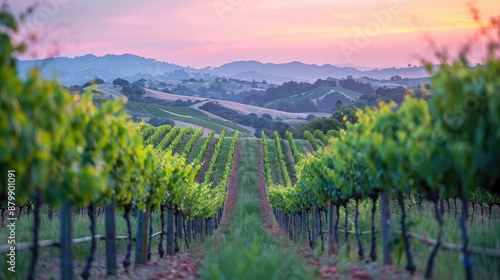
<point x="244" y="247"/>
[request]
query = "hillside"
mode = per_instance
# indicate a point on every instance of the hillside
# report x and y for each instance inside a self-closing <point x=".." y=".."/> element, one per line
<point x="249" y="109"/>
<point x="193" y="115"/>
<point x="239" y="107"/>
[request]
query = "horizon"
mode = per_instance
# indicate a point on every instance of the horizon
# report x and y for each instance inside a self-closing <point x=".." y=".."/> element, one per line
<point x="200" y="34"/>
<point x="347" y="65"/>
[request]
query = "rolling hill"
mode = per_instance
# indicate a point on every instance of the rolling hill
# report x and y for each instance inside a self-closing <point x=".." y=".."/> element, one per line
<point x="81" y="69"/>
<point x="193" y="115"/>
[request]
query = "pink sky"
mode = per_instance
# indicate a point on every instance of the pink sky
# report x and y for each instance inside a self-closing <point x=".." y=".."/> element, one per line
<point x="199" y="33"/>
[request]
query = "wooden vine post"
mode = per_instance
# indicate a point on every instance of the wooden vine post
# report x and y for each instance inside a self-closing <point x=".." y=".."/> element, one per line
<point x="66" y="238"/>
<point x="386" y="222"/>
<point x="170" y="231"/>
<point x="316" y="229"/>
<point x="304" y="220"/>
<point x="178" y="230"/>
<point x="110" y="231"/>
<point x="141" y="249"/>
<point x="332" y="220"/>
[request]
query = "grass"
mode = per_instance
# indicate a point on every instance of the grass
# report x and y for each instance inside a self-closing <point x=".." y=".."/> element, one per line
<point x="245" y="249"/>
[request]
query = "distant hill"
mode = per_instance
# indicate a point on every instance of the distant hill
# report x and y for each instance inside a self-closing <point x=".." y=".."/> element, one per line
<point x="293" y="70"/>
<point x="81" y="69"/>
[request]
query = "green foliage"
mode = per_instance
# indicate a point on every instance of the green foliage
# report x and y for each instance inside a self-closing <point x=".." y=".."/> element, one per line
<point x="267" y="167"/>
<point x="309" y="137"/>
<point x="167" y="138"/>
<point x="213" y="161"/>
<point x="333" y="133"/>
<point x="227" y="171"/>
<point x="180" y="137"/>
<point x="465" y="107"/>
<point x="281" y="158"/>
<point x="203" y="149"/>
<point x="321" y="136"/>
<point x="295" y="153"/>
<point x="146" y="130"/>
<point x="190" y="144"/>
<point x="157" y="136"/>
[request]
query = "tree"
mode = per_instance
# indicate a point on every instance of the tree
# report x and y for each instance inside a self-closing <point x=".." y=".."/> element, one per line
<point x="281" y="128"/>
<point x="338" y="104"/>
<point x="267" y="116"/>
<point x="120" y="82"/>
<point x="96" y="81"/>
<point x="159" y="121"/>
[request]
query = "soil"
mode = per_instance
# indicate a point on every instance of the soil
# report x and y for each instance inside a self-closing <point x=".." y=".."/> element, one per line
<point x="179" y="266"/>
<point x="291" y="159"/>
<point x="200" y="177"/>
<point x="230" y="202"/>
<point x="270" y="222"/>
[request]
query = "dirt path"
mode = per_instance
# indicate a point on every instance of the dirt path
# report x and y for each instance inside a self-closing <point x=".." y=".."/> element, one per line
<point x="316" y="100"/>
<point x="267" y="210"/>
<point x="206" y="161"/>
<point x="291" y="159"/>
<point x="230" y="202"/>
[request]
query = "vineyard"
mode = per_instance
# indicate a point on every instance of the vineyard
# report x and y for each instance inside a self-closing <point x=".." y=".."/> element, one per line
<point x="405" y="191"/>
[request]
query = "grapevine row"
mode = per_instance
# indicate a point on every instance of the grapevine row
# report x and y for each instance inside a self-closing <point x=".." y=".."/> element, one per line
<point x="204" y="147"/>
<point x="267" y="167"/>
<point x="190" y="144"/>
<point x="163" y="145"/>
<point x="414" y="147"/>
<point x="146" y="130"/>
<point x="160" y="131"/>
<point x="333" y="133"/>
<point x="295" y="152"/>
<point x="180" y="137"/>
<point x="227" y="169"/>
<point x="309" y="137"/>
<point x="213" y="161"/>
<point x="321" y="136"/>
<point x="281" y="159"/>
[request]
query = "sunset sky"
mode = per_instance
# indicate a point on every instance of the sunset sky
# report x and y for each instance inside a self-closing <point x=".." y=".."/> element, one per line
<point x="199" y="33"/>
